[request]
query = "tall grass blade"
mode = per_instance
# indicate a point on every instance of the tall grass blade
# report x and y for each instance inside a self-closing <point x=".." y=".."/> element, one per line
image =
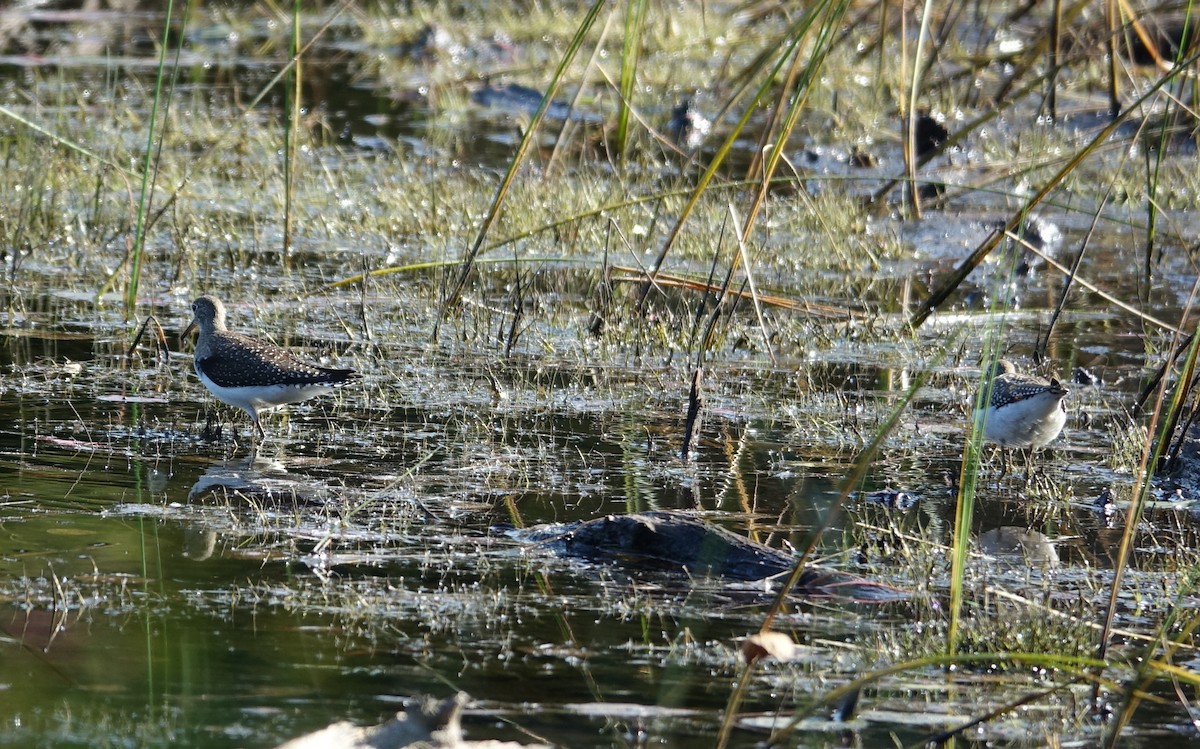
<point x="795" y="35"/>
<point x="862" y="463"/>
<point x="1056" y="27"/>
<point x="1171" y="111"/>
<point x="1150" y="459"/>
<point x="1073" y="667"/>
<point x="968" y="480"/>
<point x="826" y="36"/>
<point x="1174" y="635"/>
<point x="635" y="20"/>
<point x="147" y="187"/>
<point x="947" y="287"/>
<point x="468" y="262"/>
<point x="1039" y="351"/>
<point x="291" y="137"/>
<point x="910" y="140"/>
<point x="1110" y="42"/>
<point x="146" y="222"/>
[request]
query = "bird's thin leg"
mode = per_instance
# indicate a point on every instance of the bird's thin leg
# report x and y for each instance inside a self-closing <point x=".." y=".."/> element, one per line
<point x="262" y="436"/>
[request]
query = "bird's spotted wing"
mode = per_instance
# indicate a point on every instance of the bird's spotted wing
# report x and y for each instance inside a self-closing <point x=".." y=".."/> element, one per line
<point x="1010" y="389"/>
<point x="254" y="363"/>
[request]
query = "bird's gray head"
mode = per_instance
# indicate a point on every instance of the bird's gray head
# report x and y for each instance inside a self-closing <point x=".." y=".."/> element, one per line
<point x="208" y="314"/>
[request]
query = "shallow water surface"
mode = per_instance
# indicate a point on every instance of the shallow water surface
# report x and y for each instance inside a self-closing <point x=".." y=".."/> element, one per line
<point x="185" y="591"/>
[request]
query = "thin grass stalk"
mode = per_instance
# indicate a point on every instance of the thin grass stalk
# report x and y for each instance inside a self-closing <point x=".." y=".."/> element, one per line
<point x="948" y="29"/>
<point x="1183" y="390"/>
<point x="735" y="700"/>
<point x="880" y="66"/>
<point x="1154" y="174"/>
<point x="942" y="292"/>
<point x="427" y="265"/>
<point x="569" y="125"/>
<point x="741" y="81"/>
<point x="942" y="738"/>
<point x="1056" y="20"/>
<point x="468" y="261"/>
<point x="796" y="86"/>
<point x="1039" y="351"/>
<point x="121" y="171"/>
<point x="826" y="36"/>
<point x="591" y="213"/>
<point x="1148" y="670"/>
<point x="1000" y="101"/>
<point x="770" y="132"/>
<point x="1179" y="348"/>
<point x="910" y="140"/>
<point x="214" y="151"/>
<point x="964" y="511"/>
<point x="710" y="327"/>
<point x="1114" y="92"/>
<point x="139" y="231"/>
<point x="1149" y="461"/>
<point x="795" y="35"/>
<point x="1164" y="133"/>
<point x="218" y="149"/>
<point x="1095" y="289"/>
<point x="631" y="50"/>
<point x="906" y="140"/>
<point x="748" y="270"/>
<point x="1179" y="673"/>
<point x="957" y="136"/>
<point x="862" y="464"/>
<point x="291" y="139"/>
<point x="153" y="177"/>
<point x="972" y="458"/>
<point x="1182" y="430"/>
<point x="78" y="148"/>
<point x="1033" y="57"/>
<point x="1075" y="667"/>
<point x="702" y="347"/>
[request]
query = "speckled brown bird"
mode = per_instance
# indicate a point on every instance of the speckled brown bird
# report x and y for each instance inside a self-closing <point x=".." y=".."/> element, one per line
<point x="253" y="375"/>
<point x="1024" y="411"/>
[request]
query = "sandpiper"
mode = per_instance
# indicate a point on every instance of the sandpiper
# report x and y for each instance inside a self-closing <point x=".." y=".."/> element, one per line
<point x="1024" y="411"/>
<point x="250" y="374"/>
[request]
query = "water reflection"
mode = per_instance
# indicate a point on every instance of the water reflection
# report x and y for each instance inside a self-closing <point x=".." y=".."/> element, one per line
<point x="262" y="478"/>
<point x="1019" y="546"/>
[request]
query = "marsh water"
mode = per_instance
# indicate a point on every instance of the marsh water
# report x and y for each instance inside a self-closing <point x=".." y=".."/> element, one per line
<point x="163" y="582"/>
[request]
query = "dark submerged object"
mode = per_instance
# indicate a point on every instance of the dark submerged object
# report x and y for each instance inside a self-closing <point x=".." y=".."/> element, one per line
<point x="517" y="99"/>
<point x="930" y="133"/>
<point x="680" y="542"/>
<point x="893" y="499"/>
<point x="688" y="128"/>
<point x="1086" y="377"/>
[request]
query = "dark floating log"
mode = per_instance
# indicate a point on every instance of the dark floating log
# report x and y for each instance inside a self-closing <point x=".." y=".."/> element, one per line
<point x="676" y="541"/>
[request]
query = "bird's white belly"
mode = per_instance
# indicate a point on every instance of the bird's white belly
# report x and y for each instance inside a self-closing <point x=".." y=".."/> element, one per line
<point x="1029" y="423"/>
<point x="255" y="398"/>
